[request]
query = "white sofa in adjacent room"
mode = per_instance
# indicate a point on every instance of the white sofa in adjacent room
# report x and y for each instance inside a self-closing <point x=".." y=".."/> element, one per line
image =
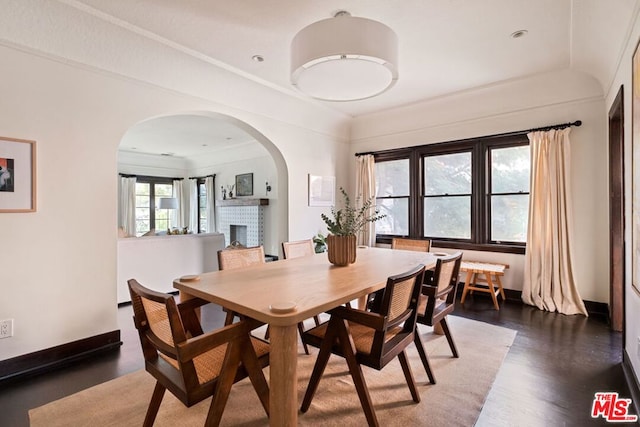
<point x="155" y="261"/>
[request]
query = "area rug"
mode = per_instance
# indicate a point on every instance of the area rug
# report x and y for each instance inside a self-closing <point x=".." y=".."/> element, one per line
<point x="456" y="399"/>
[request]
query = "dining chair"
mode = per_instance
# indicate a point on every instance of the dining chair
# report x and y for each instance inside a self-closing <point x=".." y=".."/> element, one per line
<point x="420" y="245"/>
<point x="370" y="338"/>
<point x="297" y="249"/>
<point x="239" y="257"/>
<point x="232" y="257"/>
<point x="191" y="364"/>
<point x="437" y="300"/>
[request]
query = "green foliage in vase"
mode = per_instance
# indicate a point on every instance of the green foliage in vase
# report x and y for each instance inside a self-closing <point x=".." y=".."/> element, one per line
<point x="350" y="220"/>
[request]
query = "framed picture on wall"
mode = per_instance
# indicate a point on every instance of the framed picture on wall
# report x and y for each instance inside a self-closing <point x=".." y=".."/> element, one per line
<point x="17" y="175"/>
<point x="635" y="165"/>
<point x="322" y="190"/>
<point x="244" y="184"/>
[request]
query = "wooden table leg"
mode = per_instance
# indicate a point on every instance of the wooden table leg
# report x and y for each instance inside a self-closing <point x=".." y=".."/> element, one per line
<point x="283" y="376"/>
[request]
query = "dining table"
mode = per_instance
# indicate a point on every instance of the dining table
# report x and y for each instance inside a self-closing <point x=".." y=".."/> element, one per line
<point x="285" y="292"/>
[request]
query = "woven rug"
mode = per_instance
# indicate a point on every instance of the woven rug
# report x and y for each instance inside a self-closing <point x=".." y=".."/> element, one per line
<point x="456" y="399"/>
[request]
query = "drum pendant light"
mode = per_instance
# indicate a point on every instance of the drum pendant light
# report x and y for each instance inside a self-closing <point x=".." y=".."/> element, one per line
<point x="344" y="58"/>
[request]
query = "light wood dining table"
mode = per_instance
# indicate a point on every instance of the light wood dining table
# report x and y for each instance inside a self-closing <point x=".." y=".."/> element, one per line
<point x="313" y="286"/>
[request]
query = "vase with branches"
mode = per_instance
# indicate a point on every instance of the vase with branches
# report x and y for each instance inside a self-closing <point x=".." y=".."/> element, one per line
<point x="344" y="224"/>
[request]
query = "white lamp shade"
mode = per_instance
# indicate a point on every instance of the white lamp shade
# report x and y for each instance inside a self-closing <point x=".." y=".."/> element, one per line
<point x="168" y="203"/>
<point x="344" y="59"/>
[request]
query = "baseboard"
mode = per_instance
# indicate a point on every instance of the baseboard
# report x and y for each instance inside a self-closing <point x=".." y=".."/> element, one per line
<point x="49" y="359"/>
<point x="593" y="308"/>
<point x="632" y="381"/>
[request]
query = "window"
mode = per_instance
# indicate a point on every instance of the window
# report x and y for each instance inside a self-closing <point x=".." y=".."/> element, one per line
<point x="149" y="190"/>
<point x="447" y="196"/>
<point x="469" y="194"/>
<point x="392" y="196"/>
<point x="509" y="193"/>
<point x="202" y="206"/>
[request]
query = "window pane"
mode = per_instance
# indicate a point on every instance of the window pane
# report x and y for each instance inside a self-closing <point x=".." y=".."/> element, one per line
<point x="509" y="217"/>
<point x="447" y="217"/>
<point x="163" y="190"/>
<point x="510" y="169"/>
<point x="143" y="189"/>
<point x="142" y="226"/>
<point x="142" y="201"/>
<point x="397" y="220"/>
<point x="162" y="216"/>
<point x="202" y="213"/>
<point x="392" y="178"/>
<point x="162" y="219"/>
<point x="447" y="174"/>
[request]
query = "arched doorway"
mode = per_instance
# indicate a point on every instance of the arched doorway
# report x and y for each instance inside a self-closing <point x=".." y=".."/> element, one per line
<point x="202" y="143"/>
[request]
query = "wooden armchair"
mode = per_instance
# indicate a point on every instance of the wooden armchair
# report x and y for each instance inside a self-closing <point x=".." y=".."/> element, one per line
<point x="231" y="258"/>
<point x="371" y="338"/>
<point x="191" y="364"/>
<point x="240" y="257"/>
<point x="437" y="300"/>
<point x="298" y="248"/>
<point x="411" y="244"/>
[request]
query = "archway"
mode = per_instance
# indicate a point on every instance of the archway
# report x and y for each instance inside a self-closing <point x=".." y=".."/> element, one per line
<point x="201" y="143"/>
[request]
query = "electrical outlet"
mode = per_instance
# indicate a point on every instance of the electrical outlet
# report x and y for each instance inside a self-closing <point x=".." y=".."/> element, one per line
<point x="6" y="328"/>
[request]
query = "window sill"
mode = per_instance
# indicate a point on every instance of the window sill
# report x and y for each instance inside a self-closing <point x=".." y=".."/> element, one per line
<point x="483" y="247"/>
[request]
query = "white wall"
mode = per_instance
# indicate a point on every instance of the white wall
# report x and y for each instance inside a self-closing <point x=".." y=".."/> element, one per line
<point x="59" y="274"/>
<point x="517" y="105"/>
<point x="632" y="296"/>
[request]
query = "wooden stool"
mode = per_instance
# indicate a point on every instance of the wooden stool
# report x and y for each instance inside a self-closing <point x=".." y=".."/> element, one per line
<point x="489" y="276"/>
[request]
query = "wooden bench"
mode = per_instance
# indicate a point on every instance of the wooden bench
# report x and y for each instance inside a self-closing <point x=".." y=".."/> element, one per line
<point x="483" y="277"/>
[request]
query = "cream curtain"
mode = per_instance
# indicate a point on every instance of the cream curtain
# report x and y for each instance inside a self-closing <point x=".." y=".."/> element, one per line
<point x="365" y="190"/>
<point x="177" y="217"/>
<point x="127" y="205"/>
<point x="209" y="183"/>
<point x="548" y="280"/>
<point x="193" y="205"/>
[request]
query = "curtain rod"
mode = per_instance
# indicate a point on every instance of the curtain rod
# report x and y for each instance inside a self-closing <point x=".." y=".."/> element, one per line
<point x="127" y="175"/>
<point x="200" y="177"/>
<point x="543" y="128"/>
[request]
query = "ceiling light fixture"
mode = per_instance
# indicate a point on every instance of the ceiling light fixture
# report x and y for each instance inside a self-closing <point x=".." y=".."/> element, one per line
<point x="344" y="58"/>
<point x="258" y="58"/>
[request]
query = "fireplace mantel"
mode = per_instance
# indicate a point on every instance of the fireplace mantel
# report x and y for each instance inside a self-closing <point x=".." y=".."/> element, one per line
<point x="243" y="202"/>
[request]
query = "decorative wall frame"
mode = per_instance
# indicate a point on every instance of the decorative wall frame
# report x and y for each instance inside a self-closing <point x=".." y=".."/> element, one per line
<point x="244" y="184"/>
<point x="17" y="175"/>
<point x="635" y="166"/>
<point x="322" y="190"/>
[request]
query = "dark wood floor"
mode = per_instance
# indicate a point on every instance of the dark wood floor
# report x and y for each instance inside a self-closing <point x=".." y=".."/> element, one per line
<point x="549" y="376"/>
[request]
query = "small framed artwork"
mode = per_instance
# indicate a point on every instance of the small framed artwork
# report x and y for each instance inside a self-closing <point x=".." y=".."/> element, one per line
<point x="17" y="175"/>
<point x="244" y="184"/>
<point x="322" y="190"/>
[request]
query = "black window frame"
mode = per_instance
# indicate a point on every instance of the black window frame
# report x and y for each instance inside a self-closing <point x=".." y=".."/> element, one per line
<point x="152" y="181"/>
<point x="199" y="183"/>
<point x="480" y="198"/>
